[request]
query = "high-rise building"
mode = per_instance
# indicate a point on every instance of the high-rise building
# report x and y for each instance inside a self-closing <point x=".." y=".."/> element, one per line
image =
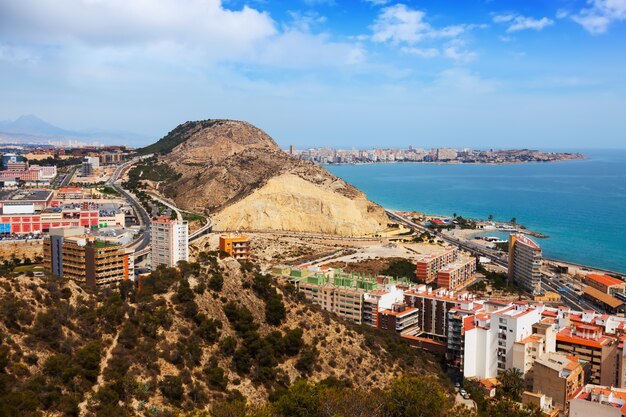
<point x="169" y="242"/>
<point x="525" y="263"/>
<point x="71" y="254"/>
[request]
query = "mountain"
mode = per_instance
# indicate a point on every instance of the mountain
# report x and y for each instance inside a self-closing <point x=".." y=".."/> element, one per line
<point x="196" y="338"/>
<point x="239" y="175"/>
<point x="32" y="129"/>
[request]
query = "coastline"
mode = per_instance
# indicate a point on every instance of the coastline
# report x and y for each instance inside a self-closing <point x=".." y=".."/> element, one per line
<point x="584" y="158"/>
<point x="467" y="235"/>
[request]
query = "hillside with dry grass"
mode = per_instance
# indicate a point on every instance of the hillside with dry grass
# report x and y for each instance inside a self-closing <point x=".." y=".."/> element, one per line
<point x="216" y="332"/>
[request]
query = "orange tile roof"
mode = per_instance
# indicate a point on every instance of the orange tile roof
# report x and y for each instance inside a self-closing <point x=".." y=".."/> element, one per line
<point x="604" y="298"/>
<point x="605" y="279"/>
<point x="566" y="336"/>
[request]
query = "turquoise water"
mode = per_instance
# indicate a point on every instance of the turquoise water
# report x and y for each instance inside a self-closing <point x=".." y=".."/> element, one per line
<point x="581" y="205"/>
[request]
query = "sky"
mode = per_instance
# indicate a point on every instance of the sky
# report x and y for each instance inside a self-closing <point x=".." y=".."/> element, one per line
<point x="547" y="74"/>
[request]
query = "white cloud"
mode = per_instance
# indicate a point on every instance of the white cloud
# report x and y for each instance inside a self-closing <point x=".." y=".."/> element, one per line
<point x="463" y="81"/>
<point x="456" y="51"/>
<point x="421" y="52"/>
<point x="518" y="22"/>
<point x="304" y="21"/>
<point x="401" y="24"/>
<point x="597" y="18"/>
<point x="114" y="22"/>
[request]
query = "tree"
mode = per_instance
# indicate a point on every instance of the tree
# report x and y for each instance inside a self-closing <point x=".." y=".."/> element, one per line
<point x="172" y="388"/>
<point x="490" y="217"/>
<point x="512" y="384"/>
<point x="275" y="311"/>
<point x="416" y="396"/>
<point x="513" y="220"/>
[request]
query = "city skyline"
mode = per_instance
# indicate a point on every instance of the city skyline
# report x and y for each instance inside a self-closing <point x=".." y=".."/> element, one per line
<point x="317" y="73"/>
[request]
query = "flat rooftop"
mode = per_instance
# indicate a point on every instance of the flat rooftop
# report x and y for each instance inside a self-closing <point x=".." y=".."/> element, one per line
<point x="20" y="196"/>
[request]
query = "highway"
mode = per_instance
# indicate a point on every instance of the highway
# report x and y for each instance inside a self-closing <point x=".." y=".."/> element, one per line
<point x="143" y="240"/>
<point x="568" y="296"/>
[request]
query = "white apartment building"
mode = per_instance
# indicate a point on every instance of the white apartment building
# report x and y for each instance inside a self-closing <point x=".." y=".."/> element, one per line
<point x="169" y="242"/>
<point x="489" y="337"/>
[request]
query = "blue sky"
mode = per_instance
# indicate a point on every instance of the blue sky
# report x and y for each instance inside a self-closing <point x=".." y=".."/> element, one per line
<point x="481" y="73"/>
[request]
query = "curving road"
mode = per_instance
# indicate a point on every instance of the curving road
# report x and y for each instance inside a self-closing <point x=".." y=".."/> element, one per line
<point x="143" y="241"/>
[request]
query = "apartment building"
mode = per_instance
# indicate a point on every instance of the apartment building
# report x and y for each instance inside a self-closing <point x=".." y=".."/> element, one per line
<point x="341" y="294"/>
<point x="525" y="263"/>
<point x="428" y="266"/>
<point x="71" y="254"/>
<point x="433" y="307"/>
<point x="489" y="338"/>
<point x="590" y="344"/>
<point x="237" y="247"/>
<point x="399" y="318"/>
<point x="557" y="375"/>
<point x="169" y="242"/>
<point x="598" y="401"/>
<point x="458" y="274"/>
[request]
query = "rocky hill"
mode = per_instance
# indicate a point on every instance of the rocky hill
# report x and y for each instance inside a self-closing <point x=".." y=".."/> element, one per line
<point x="213" y="333"/>
<point x="237" y="173"/>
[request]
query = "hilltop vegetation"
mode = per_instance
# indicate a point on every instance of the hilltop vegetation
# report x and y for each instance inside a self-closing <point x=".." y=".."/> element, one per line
<point x="173" y="138"/>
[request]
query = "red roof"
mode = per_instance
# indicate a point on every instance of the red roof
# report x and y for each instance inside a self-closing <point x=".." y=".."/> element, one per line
<point x="605" y="279"/>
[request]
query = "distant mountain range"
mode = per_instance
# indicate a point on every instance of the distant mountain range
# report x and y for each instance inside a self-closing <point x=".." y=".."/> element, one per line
<point x="30" y="129"/>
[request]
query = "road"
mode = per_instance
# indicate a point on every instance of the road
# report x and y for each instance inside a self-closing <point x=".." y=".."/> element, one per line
<point x="63" y="180"/>
<point x="144" y="239"/>
<point x="568" y="297"/>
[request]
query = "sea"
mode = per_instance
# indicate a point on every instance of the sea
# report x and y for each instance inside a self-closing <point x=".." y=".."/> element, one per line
<point x="580" y="205"/>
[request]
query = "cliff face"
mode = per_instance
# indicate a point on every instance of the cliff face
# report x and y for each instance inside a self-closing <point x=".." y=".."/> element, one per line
<point x="238" y="174"/>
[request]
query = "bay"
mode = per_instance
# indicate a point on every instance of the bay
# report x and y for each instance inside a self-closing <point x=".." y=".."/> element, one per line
<point x="581" y="205"/>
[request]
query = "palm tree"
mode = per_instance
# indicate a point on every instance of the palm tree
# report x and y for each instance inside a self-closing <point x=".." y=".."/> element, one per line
<point x="490" y="217"/>
<point x="512" y="383"/>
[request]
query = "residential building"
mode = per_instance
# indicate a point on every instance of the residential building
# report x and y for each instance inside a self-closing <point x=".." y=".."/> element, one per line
<point x="69" y="253"/>
<point x="558" y="376"/>
<point x="428" y="266"/>
<point x="590" y="344"/>
<point x="446" y="154"/>
<point x="598" y="401"/>
<point x="433" y="307"/>
<point x="490" y="336"/>
<point x="542" y="402"/>
<point x="458" y="274"/>
<point x="169" y="242"/>
<point x="605" y="283"/>
<point x="236" y="246"/>
<point x="541" y="341"/>
<point x="399" y="318"/>
<point x="525" y="263"/>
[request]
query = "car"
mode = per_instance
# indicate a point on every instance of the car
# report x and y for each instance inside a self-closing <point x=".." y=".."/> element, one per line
<point x="466" y="396"/>
<point x="463" y="392"/>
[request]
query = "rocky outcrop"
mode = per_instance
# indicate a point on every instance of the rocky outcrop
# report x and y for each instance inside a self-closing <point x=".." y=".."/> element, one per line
<point x="236" y="173"/>
<point x="289" y="202"/>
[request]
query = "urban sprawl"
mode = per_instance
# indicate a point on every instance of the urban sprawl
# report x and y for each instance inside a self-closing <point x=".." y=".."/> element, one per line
<point x="573" y="361"/>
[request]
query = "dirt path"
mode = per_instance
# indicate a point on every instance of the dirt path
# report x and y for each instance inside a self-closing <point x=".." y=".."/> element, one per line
<point x="104" y="362"/>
